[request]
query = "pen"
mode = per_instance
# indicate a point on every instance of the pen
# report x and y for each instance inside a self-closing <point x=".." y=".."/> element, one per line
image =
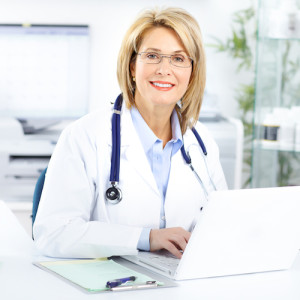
<point x="146" y="285"/>
<point x="116" y="282"/>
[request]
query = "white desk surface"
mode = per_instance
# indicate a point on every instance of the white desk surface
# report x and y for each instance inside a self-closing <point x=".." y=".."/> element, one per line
<point x="19" y="279"/>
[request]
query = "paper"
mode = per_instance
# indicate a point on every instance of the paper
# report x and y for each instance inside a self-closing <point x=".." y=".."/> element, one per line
<point x="92" y="274"/>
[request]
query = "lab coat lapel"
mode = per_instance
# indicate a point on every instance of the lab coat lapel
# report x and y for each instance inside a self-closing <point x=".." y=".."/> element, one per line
<point x="184" y="193"/>
<point x="133" y="151"/>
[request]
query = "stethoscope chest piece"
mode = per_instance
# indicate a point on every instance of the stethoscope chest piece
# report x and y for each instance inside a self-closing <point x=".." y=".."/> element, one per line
<point x="113" y="195"/>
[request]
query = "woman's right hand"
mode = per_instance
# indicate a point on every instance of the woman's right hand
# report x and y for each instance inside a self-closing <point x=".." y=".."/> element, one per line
<point x="172" y="239"/>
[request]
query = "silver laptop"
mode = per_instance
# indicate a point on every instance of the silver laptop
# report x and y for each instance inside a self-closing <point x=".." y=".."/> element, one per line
<point x="239" y="231"/>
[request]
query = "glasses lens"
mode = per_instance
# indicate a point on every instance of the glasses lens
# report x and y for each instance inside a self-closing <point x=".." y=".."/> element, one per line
<point x="150" y="57"/>
<point x="180" y="61"/>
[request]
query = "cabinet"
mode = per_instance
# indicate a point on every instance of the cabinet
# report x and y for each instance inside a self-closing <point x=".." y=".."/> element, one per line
<point x="276" y="134"/>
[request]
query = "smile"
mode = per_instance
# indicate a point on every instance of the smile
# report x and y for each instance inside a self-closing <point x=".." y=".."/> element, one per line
<point x="161" y="85"/>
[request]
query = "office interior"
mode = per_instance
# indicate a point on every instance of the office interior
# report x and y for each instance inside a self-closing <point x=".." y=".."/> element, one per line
<point x="35" y="108"/>
<point x="58" y="63"/>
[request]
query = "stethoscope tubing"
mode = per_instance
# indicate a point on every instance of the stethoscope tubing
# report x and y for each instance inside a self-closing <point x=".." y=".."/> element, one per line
<point x="200" y="141"/>
<point x="116" y="149"/>
<point x="116" y="142"/>
<point x="188" y="160"/>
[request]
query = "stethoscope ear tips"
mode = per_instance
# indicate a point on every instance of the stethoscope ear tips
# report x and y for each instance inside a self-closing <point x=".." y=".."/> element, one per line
<point x="113" y="195"/>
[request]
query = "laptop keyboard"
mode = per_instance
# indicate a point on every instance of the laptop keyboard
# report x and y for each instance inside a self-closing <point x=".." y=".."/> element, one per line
<point x="161" y="258"/>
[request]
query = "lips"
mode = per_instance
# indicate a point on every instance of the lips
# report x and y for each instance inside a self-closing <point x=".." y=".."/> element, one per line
<point x="162" y="85"/>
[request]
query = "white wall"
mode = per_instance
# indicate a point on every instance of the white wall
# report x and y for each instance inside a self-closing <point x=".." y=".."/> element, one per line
<point x="109" y="20"/>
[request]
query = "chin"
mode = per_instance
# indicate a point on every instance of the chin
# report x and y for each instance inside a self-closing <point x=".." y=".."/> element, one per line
<point x="164" y="101"/>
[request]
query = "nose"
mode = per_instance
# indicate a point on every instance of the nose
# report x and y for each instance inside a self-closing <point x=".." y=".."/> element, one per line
<point x="164" y="67"/>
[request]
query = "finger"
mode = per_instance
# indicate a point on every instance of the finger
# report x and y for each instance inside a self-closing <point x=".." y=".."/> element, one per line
<point x="179" y="241"/>
<point x="173" y="250"/>
<point x="181" y="237"/>
<point x="182" y="232"/>
<point x="185" y="234"/>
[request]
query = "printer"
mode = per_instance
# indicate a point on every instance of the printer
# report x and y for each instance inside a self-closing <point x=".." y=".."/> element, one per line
<point x="22" y="158"/>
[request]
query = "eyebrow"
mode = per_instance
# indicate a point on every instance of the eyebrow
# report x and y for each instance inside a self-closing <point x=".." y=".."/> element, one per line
<point x="158" y="50"/>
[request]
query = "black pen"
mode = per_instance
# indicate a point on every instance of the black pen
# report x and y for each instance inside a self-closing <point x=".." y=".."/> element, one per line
<point x="116" y="282"/>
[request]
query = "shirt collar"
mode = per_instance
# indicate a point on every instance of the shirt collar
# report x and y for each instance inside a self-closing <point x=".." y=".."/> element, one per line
<point x="176" y="129"/>
<point x="146" y="135"/>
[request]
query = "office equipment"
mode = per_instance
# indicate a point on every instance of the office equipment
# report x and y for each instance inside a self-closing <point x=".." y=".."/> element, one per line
<point x="23" y="158"/>
<point x="10" y="129"/>
<point x="44" y="73"/>
<point x="93" y="274"/>
<point x="240" y="231"/>
<point x="22" y="161"/>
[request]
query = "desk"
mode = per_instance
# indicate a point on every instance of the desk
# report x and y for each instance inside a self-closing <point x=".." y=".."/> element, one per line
<point x="19" y="279"/>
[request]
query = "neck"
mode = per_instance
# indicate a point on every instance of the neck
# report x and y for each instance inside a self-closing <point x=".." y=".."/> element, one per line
<point x="159" y="121"/>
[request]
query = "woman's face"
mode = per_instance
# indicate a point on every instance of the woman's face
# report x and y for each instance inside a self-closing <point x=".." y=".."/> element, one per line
<point x="161" y="84"/>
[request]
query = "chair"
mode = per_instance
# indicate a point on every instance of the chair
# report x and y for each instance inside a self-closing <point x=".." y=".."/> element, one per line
<point x="37" y="194"/>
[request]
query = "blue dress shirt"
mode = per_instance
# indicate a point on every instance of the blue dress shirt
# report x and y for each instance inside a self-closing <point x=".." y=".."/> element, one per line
<point x="159" y="159"/>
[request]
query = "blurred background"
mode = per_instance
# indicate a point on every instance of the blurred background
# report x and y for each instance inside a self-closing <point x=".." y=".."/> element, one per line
<point x="58" y="62"/>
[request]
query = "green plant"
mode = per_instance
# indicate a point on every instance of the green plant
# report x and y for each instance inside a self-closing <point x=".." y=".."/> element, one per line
<point x="237" y="46"/>
<point x="240" y="47"/>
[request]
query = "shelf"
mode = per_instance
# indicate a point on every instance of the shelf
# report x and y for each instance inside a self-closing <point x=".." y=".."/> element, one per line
<point x="268" y="38"/>
<point x="273" y="146"/>
<point x="276" y="86"/>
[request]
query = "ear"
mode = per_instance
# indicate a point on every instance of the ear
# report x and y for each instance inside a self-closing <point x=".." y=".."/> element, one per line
<point x="132" y="69"/>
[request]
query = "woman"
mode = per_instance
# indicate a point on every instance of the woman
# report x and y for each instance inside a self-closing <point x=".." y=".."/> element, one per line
<point x="161" y="73"/>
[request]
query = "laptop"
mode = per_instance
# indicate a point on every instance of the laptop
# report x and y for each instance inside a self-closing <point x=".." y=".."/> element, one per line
<point x="238" y="232"/>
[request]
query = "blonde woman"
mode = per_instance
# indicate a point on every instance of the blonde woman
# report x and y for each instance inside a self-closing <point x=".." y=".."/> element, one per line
<point x="153" y="199"/>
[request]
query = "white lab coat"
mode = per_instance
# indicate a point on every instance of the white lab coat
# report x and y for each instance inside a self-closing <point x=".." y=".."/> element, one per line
<point x="74" y="219"/>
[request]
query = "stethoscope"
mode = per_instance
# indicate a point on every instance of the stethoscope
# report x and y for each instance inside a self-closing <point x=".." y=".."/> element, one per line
<point x="113" y="194"/>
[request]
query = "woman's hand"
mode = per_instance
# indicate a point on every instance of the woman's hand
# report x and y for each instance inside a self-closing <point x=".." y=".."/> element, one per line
<point x="172" y="239"/>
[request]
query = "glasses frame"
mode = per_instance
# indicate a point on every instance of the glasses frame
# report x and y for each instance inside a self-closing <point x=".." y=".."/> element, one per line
<point x="166" y="56"/>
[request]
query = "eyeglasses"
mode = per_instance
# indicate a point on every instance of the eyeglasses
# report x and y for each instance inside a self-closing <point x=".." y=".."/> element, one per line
<point x="177" y="60"/>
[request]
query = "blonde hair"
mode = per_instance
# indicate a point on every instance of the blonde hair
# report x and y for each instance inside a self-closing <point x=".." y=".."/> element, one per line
<point x="188" y="30"/>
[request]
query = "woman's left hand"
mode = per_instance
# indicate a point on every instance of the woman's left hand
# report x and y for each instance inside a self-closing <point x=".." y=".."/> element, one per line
<point x="172" y="239"/>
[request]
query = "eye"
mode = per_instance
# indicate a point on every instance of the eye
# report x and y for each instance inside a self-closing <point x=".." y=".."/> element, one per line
<point x="178" y="58"/>
<point x="152" y="56"/>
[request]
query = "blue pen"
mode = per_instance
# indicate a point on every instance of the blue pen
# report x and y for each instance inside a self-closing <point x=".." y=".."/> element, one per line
<point x="116" y="282"/>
